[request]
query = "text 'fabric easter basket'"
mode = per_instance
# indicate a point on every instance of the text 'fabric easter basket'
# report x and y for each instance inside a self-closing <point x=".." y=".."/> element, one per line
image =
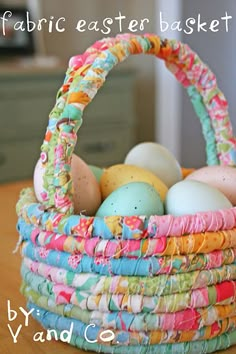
<point x="161" y="284"/>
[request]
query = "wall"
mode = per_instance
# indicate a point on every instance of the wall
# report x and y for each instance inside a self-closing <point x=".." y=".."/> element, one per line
<point x="218" y="51"/>
<point x="168" y="100"/>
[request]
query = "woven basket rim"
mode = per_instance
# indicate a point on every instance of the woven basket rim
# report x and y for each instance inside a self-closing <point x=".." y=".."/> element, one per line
<point x="157" y="226"/>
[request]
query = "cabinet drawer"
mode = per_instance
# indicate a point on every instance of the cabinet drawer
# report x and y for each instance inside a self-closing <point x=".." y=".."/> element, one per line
<point x="27" y="87"/>
<point x="17" y="160"/>
<point x="99" y="147"/>
<point x="28" y="119"/>
<point x="24" y="118"/>
<point x="104" y="139"/>
<point x="104" y="147"/>
<point x="26" y="109"/>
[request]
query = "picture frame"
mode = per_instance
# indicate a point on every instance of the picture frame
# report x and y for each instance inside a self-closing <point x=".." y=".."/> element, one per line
<point x="15" y="42"/>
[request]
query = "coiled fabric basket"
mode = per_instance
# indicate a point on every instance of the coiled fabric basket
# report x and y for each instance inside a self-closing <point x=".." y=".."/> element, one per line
<point x="162" y="284"/>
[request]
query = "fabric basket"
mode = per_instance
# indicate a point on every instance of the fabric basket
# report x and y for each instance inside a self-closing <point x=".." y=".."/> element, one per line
<point x="159" y="284"/>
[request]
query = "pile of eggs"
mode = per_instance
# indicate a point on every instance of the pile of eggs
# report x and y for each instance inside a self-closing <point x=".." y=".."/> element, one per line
<point x="149" y="182"/>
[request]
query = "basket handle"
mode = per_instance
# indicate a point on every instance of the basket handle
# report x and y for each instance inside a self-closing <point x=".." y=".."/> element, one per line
<point x="87" y="73"/>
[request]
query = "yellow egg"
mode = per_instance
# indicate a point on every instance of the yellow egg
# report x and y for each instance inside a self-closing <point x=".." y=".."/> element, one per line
<point x="118" y="175"/>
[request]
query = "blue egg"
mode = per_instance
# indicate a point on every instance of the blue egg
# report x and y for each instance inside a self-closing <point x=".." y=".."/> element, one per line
<point x="135" y="198"/>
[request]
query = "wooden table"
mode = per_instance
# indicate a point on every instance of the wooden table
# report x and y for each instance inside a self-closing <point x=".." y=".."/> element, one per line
<point x="9" y="289"/>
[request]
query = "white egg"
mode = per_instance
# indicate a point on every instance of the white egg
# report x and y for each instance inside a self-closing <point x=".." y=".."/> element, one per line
<point x="38" y="180"/>
<point x="157" y="159"/>
<point x="190" y="197"/>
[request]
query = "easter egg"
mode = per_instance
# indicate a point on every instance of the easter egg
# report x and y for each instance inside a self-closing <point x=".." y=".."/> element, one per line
<point x="38" y="180"/>
<point x="190" y="197"/>
<point x="220" y="177"/>
<point x="86" y="190"/>
<point x="157" y="159"/>
<point x="135" y="198"/>
<point x="97" y="171"/>
<point x="118" y="175"/>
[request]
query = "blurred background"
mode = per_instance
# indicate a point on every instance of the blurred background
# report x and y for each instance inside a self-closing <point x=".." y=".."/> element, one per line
<point x="139" y="102"/>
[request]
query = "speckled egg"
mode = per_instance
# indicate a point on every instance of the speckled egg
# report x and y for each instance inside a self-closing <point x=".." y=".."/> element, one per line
<point x="220" y="177"/>
<point x="190" y="197"/>
<point x="86" y="190"/>
<point x="135" y="198"/>
<point x="157" y="159"/>
<point x="118" y="175"/>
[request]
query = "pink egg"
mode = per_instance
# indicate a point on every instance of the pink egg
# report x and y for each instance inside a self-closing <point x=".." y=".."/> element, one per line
<point x="86" y="190"/>
<point x="221" y="177"/>
<point x="87" y="194"/>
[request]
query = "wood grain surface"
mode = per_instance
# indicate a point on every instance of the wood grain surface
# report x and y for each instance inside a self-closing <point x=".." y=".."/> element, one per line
<point x="9" y="288"/>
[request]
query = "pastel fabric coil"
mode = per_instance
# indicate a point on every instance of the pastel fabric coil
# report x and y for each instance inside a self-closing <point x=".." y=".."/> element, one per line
<point x="159" y="284"/>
